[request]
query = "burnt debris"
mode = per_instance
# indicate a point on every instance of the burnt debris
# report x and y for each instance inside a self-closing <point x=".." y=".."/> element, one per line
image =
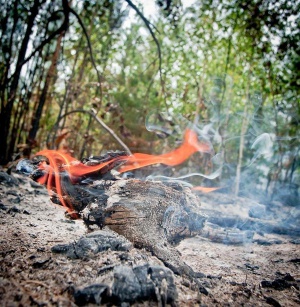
<point x="92" y="244"/>
<point x="284" y="282"/>
<point x="152" y="216"/>
<point x="144" y="214"/>
<point x="130" y="285"/>
<point x="8" y="180"/>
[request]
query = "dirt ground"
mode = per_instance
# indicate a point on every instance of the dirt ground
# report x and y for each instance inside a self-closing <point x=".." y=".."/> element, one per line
<point x="249" y="274"/>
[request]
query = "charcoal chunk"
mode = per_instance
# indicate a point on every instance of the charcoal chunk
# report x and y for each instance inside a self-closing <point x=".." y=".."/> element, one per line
<point x="126" y="287"/>
<point x="202" y="289"/>
<point x="26" y="212"/>
<point x="14" y="209"/>
<point x="280" y="283"/>
<point x="272" y="301"/>
<point x="295" y="241"/>
<point x="92" y="244"/>
<point x="295" y="260"/>
<point x="3" y="207"/>
<point x="41" y="263"/>
<point x="153" y="283"/>
<point x="12" y="192"/>
<point x="94" y="294"/>
<point x="7" y="179"/>
<point x="251" y="267"/>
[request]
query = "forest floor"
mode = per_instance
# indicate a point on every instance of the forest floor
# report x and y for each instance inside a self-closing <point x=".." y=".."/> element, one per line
<point x="249" y="274"/>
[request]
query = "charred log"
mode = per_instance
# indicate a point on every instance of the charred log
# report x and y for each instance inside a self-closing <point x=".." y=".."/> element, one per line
<point x="149" y="214"/>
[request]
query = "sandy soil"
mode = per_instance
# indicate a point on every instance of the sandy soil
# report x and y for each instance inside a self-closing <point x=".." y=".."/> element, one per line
<point x="31" y="275"/>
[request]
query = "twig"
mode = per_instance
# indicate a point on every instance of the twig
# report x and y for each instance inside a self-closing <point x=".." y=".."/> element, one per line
<point x="110" y="131"/>
<point x="93" y="113"/>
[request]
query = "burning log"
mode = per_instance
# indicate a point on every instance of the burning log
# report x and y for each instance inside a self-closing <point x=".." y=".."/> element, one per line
<point x="149" y="214"/>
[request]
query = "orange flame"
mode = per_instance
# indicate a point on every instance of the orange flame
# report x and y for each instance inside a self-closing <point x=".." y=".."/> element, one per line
<point x="189" y="146"/>
<point x="205" y="189"/>
<point x="59" y="162"/>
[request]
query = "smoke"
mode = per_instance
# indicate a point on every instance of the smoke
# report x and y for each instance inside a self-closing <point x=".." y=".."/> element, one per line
<point x="248" y="146"/>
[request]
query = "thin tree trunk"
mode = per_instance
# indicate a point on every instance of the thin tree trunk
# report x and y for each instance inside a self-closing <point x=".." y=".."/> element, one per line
<point x="33" y="78"/>
<point x="7" y="145"/>
<point x="49" y="77"/>
<point x="278" y="164"/>
<point x="223" y="131"/>
<point x="244" y="128"/>
<point x="245" y="123"/>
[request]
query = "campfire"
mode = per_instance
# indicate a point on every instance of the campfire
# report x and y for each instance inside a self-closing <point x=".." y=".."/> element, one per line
<point x="149" y="214"/>
<point x="126" y="216"/>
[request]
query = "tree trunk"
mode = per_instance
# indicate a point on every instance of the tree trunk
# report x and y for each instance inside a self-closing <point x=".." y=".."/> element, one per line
<point x="49" y="77"/>
<point x="245" y="123"/>
<point x="7" y="144"/>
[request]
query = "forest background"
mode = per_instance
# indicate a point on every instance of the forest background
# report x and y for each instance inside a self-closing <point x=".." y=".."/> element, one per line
<point x="92" y="76"/>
